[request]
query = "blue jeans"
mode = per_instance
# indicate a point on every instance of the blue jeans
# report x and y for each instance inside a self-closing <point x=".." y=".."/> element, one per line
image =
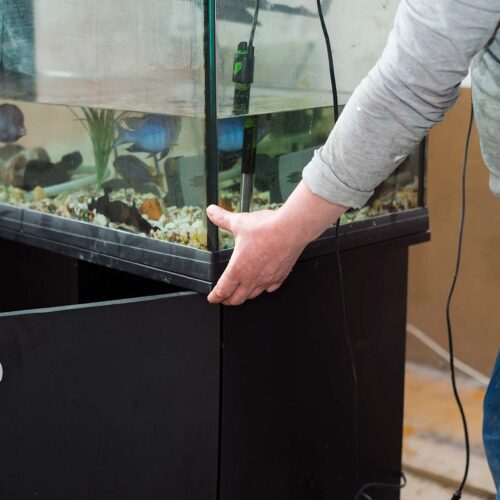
<point x="491" y="424"/>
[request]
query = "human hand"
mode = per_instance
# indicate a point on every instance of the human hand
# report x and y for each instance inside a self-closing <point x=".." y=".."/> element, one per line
<point x="265" y="251"/>
<point x="268" y="243"/>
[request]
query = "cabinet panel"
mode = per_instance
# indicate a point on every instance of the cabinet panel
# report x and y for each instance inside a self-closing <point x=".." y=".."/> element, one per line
<point x="117" y="400"/>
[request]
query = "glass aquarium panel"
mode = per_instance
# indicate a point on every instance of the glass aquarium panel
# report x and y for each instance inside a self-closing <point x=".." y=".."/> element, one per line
<point x="291" y="66"/>
<point x="286" y="143"/>
<point x="112" y="168"/>
<point x="142" y="55"/>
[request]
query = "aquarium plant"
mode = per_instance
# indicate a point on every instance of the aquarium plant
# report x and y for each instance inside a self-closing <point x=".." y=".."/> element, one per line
<point x="101" y="128"/>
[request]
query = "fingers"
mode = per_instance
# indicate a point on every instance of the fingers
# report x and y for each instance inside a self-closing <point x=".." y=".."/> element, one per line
<point x="221" y="218"/>
<point x="223" y="290"/>
<point x="231" y="292"/>
<point x="274" y="286"/>
<point x="239" y="296"/>
<point x="242" y="294"/>
<point x="256" y="292"/>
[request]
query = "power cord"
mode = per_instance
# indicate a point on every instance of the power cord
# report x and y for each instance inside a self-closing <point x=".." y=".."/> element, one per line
<point x="331" y="67"/>
<point x="361" y="493"/>
<point x="458" y="493"/>
<point x="254" y="23"/>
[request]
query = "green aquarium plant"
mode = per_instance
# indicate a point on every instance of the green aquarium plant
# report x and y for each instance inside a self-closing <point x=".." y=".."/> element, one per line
<point x="101" y="128"/>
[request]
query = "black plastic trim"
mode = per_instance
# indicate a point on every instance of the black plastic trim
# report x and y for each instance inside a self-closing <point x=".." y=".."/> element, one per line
<point x="178" y="264"/>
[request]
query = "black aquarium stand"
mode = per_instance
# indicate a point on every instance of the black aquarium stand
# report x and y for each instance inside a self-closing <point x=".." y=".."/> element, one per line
<point x="116" y="386"/>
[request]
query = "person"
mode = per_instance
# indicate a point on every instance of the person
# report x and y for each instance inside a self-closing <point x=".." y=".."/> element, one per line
<point x="414" y="83"/>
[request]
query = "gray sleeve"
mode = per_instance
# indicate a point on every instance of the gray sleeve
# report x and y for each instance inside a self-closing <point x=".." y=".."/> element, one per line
<point x="414" y="83"/>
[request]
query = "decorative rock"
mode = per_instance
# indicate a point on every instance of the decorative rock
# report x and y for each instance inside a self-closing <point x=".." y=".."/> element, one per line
<point x="151" y="208"/>
<point x="101" y="220"/>
<point x="16" y="196"/>
<point x="39" y="194"/>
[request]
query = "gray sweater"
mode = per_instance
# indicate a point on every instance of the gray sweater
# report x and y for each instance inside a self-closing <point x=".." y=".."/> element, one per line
<point x="414" y="83"/>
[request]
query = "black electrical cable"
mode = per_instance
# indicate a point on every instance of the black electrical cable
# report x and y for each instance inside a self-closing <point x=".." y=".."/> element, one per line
<point x="343" y="309"/>
<point x="340" y="272"/>
<point x="458" y="493"/>
<point x="330" y="62"/>
<point x="254" y="23"/>
<point x="361" y="493"/>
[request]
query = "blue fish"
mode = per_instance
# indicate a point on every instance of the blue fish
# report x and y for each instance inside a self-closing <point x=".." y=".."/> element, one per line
<point x="11" y="123"/>
<point x="150" y="134"/>
<point x="230" y="132"/>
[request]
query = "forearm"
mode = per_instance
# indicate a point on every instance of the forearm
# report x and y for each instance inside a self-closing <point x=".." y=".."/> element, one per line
<point x="307" y="215"/>
<point x="414" y="83"/>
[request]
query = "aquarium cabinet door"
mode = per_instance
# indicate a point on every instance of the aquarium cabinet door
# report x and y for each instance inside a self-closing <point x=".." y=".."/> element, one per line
<point x="111" y="401"/>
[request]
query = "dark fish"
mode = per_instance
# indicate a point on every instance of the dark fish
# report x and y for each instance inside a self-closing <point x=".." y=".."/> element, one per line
<point x="120" y="213"/>
<point x="71" y="161"/>
<point x="11" y="123"/>
<point x="150" y="134"/>
<point x="148" y="188"/>
<point x="115" y="184"/>
<point x="230" y="132"/>
<point x="133" y="170"/>
<point x="45" y="173"/>
<point x="40" y="153"/>
<point x="42" y="173"/>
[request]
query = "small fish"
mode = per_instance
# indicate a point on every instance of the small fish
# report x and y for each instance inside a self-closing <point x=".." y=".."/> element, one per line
<point x="150" y="134"/>
<point x="120" y="213"/>
<point x="134" y="171"/>
<point x="149" y="187"/>
<point x="11" y="123"/>
<point x="71" y="161"/>
<point x="230" y="133"/>
<point x="115" y="184"/>
<point x="40" y="172"/>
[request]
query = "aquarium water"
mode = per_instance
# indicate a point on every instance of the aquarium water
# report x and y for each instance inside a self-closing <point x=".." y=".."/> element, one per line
<point x="145" y="173"/>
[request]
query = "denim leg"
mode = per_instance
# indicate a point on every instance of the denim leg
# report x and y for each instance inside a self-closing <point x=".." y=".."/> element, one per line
<point x="491" y="425"/>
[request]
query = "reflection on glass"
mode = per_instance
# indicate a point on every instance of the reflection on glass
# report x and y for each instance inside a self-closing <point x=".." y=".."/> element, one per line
<point x="291" y="66"/>
<point x="134" y="55"/>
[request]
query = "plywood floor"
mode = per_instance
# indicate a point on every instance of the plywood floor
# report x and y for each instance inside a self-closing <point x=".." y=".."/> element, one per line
<point x="433" y="450"/>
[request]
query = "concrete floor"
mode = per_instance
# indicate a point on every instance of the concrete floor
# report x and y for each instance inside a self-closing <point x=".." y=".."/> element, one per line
<point x="433" y="437"/>
<point x="421" y="488"/>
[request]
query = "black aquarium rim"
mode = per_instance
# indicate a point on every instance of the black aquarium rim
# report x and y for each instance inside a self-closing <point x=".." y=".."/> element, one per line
<point x="175" y="263"/>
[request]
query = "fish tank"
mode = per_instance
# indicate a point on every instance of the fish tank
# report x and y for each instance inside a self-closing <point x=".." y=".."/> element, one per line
<point x="121" y="121"/>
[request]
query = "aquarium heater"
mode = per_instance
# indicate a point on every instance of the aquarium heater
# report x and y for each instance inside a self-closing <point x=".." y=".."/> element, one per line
<point x="243" y="78"/>
<point x="243" y="68"/>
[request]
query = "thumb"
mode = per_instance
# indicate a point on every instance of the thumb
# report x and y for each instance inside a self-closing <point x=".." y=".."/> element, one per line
<point x="220" y="217"/>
